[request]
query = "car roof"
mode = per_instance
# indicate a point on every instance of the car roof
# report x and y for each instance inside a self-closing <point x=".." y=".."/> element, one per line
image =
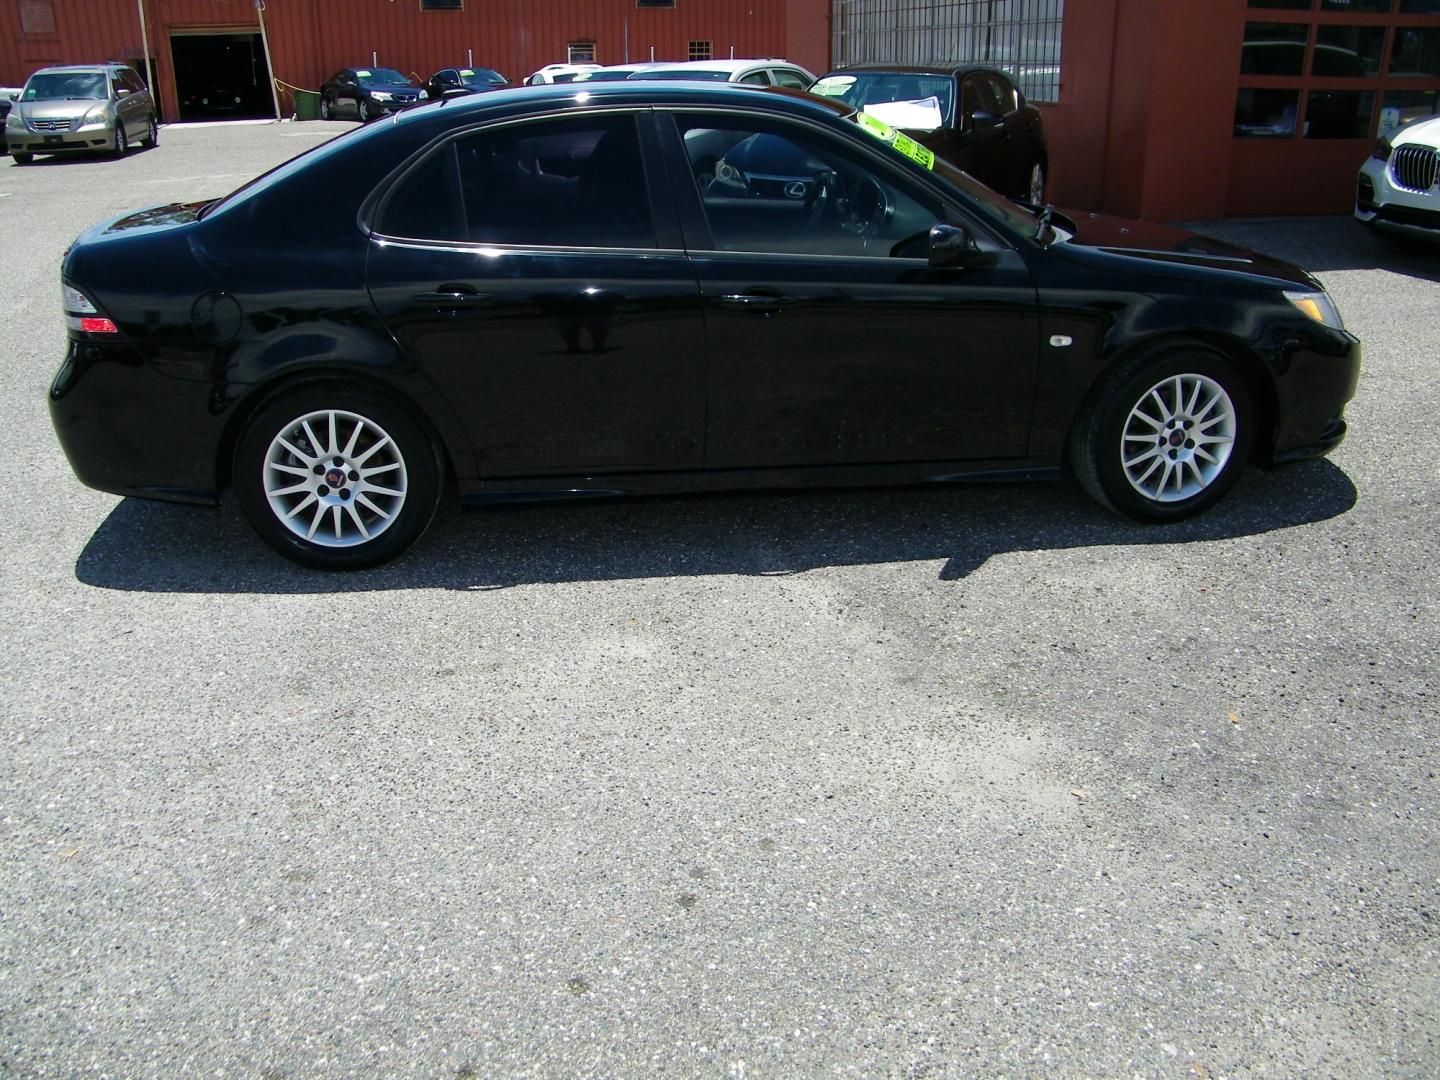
<point x="520" y="99"/>
<point x="920" y="69"/>
<point x="724" y="65"/>
<point x="83" y="69"/>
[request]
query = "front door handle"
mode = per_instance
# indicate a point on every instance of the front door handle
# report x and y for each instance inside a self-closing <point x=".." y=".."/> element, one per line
<point x="454" y="298"/>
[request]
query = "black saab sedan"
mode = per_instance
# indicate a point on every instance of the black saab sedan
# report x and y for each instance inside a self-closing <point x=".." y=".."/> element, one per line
<point x="545" y="292"/>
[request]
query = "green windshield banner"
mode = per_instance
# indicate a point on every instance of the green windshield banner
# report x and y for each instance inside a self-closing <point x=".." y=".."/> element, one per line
<point x="903" y="143"/>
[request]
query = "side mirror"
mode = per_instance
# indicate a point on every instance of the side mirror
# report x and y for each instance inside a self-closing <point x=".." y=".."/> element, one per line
<point x="982" y="121"/>
<point x="952" y="245"/>
<point x="122" y="92"/>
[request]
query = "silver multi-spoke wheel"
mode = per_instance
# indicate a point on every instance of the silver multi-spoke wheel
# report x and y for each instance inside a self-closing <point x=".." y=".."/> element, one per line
<point x="1037" y="185"/>
<point x="1178" y="438"/>
<point x="335" y="478"/>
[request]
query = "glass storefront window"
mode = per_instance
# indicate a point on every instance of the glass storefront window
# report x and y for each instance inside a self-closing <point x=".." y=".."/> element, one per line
<point x="1274" y="48"/>
<point x="1357" y="7"/>
<point x="1266" y="114"/>
<point x="1420" y="7"/>
<point x="1399" y="107"/>
<point x="1416" y="52"/>
<point x="1348" y="51"/>
<point x="1289" y="5"/>
<point x="1338" y="114"/>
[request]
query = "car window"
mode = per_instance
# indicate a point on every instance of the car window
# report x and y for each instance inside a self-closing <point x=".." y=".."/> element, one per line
<point x="755" y="78"/>
<point x="908" y="100"/>
<point x="980" y="95"/>
<point x="555" y="183"/>
<point x="787" y="77"/>
<point x="1003" y="94"/>
<point x="769" y="186"/>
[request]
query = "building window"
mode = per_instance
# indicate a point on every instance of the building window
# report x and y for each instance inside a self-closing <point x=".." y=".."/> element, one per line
<point x="699" y="50"/>
<point x="37" y="17"/>
<point x="442" y="5"/>
<point x="1336" y="69"/>
<point x="580" y="52"/>
<point x="654" y="3"/>
<point x="1018" y="36"/>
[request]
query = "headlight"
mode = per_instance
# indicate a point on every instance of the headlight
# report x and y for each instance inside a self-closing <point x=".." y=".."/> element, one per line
<point x="1318" y="306"/>
<point x="93" y="116"/>
<point x="14" y="122"/>
<point x="380" y="95"/>
<point x="424" y="95"/>
<point x="1382" y="150"/>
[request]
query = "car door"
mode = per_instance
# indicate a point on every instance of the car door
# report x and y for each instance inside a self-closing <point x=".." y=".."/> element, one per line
<point x="831" y="338"/>
<point x="534" y="270"/>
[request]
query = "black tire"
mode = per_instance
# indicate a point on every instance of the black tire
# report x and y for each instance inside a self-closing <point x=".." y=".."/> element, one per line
<point x="325" y="108"/>
<point x="362" y="109"/>
<point x="22" y="158"/>
<point x="122" y="144"/>
<point x="1111" y="452"/>
<point x="152" y="135"/>
<point x="1035" y="196"/>
<point x="356" y="525"/>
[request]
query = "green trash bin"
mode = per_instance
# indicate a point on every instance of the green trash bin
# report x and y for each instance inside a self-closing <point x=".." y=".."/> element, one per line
<point x="307" y="105"/>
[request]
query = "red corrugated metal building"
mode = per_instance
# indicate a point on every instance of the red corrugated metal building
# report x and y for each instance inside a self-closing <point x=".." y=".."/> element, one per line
<point x="194" y="43"/>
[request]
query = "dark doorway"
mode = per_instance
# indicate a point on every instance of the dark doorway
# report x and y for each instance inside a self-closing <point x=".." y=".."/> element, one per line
<point x="221" y="77"/>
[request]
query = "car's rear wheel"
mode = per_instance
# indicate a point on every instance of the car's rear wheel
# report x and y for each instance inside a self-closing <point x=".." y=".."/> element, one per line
<point x="22" y="158"/>
<point x="1166" y="435"/>
<point x="336" y="477"/>
<point x="152" y="135"/>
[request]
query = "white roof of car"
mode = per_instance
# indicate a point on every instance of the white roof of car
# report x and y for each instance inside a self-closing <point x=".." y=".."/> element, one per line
<point x="727" y="65"/>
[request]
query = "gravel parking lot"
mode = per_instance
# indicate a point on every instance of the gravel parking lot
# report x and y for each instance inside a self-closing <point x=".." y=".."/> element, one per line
<point x="899" y="783"/>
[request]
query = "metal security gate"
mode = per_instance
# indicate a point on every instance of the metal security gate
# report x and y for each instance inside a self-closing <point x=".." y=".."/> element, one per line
<point x="1018" y="36"/>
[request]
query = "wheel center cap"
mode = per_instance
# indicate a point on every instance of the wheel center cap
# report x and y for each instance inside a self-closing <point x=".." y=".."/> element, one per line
<point x="1177" y="437"/>
<point x="335" y="477"/>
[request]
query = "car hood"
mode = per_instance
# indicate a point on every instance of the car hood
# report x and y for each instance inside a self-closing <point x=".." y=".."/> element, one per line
<point x="1168" y="247"/>
<point x="64" y="109"/>
<point x="1423" y="132"/>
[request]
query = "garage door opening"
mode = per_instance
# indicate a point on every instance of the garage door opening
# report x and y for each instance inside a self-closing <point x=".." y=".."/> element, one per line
<point x="221" y="77"/>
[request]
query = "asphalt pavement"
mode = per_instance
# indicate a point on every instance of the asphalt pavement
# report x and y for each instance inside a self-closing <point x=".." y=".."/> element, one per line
<point x="886" y="783"/>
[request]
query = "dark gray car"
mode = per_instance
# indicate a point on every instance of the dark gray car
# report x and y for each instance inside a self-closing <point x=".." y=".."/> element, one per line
<point x="86" y="107"/>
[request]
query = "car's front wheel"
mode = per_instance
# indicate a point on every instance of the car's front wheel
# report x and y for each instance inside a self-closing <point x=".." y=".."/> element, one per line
<point x="1166" y="435"/>
<point x="366" y="113"/>
<point x="122" y="144"/>
<point x="336" y="477"/>
<point x="326" y="112"/>
<point x="22" y="158"/>
<point x="1035" y="194"/>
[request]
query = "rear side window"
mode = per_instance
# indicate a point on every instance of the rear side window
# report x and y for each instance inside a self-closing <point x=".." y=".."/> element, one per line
<point x="792" y="79"/>
<point x="551" y="183"/>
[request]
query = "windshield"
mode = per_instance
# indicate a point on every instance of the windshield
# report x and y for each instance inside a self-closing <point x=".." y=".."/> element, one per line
<point x="481" y="77"/>
<point x="59" y="86"/>
<point x="683" y="73"/>
<point x="381" y="77"/>
<point x="1013" y="214"/>
<point x="916" y="102"/>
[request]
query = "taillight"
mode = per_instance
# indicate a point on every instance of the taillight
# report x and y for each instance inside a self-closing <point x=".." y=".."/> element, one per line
<point x="81" y="314"/>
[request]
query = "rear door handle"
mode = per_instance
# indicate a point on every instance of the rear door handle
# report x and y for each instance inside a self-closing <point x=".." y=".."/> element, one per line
<point x="757" y="302"/>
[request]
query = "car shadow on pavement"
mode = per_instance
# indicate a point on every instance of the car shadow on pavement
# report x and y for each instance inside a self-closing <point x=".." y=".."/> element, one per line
<point x="156" y="547"/>
<point x="1323" y="244"/>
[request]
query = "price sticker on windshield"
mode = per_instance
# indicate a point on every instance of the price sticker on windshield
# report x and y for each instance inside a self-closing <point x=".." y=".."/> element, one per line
<point x="903" y="143"/>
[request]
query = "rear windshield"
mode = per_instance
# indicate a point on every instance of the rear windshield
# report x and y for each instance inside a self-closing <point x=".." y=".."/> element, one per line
<point x="381" y="77"/>
<point x="683" y="73"/>
<point x="916" y="102"/>
<point x="60" y="86"/>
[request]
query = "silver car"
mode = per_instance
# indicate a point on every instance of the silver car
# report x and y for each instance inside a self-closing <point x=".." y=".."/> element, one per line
<point x="96" y="107"/>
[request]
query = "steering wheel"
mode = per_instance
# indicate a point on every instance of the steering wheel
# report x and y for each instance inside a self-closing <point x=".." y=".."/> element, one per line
<point x="866" y="210"/>
<point x="822" y="199"/>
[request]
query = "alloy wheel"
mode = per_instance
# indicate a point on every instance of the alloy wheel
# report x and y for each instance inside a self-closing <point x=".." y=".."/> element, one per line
<point x="1178" y="438"/>
<point x="335" y="478"/>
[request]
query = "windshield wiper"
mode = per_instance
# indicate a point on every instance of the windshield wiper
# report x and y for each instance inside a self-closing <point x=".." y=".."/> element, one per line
<point x="1042" y="222"/>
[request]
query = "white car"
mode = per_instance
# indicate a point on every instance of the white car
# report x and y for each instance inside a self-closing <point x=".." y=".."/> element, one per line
<point x="769" y="72"/>
<point x="558" y="73"/>
<point x="1398" y="189"/>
